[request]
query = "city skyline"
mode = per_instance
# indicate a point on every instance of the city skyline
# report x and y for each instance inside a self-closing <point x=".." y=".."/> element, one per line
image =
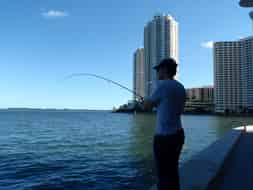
<point x="43" y="42"/>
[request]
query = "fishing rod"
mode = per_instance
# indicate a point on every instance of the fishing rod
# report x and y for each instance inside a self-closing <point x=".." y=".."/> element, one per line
<point x="103" y="78"/>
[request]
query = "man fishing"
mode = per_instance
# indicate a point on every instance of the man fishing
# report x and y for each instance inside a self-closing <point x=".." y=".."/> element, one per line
<point x="169" y="98"/>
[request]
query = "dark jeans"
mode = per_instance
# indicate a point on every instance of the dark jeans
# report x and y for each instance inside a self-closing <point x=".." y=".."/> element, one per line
<point x="167" y="150"/>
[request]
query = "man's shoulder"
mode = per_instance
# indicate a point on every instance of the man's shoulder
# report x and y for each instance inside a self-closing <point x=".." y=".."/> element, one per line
<point x="174" y="83"/>
<point x="180" y="84"/>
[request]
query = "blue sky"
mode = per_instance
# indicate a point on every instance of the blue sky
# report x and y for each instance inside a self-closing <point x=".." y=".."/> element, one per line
<point x="42" y="41"/>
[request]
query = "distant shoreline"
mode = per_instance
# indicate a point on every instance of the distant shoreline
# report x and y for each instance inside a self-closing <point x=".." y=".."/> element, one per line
<point x="121" y="111"/>
<point x="194" y="113"/>
<point x="49" y="109"/>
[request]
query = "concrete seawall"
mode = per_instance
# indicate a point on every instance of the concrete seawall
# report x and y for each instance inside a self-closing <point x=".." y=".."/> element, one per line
<point x="238" y="171"/>
<point x="201" y="172"/>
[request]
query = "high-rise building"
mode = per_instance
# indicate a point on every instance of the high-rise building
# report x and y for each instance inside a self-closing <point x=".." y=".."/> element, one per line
<point x="138" y="73"/>
<point x="233" y="76"/>
<point x="202" y="94"/>
<point x="160" y="41"/>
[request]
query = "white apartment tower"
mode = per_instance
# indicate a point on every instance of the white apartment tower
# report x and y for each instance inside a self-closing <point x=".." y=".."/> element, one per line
<point x="138" y="73"/>
<point x="233" y="76"/>
<point x="160" y="41"/>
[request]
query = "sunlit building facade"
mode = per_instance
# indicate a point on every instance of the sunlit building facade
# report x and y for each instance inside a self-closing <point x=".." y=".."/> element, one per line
<point x="160" y="41"/>
<point x="138" y="73"/>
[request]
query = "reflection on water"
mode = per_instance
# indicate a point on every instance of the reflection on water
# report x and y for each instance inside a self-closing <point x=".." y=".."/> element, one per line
<point x="90" y="150"/>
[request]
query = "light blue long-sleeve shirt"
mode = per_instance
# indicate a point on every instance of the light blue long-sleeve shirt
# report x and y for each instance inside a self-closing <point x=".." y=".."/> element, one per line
<point x="170" y="97"/>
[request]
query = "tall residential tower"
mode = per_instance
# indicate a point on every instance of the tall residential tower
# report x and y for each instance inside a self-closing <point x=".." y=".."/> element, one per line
<point x="160" y="41"/>
<point x="138" y="73"/>
<point x="233" y="76"/>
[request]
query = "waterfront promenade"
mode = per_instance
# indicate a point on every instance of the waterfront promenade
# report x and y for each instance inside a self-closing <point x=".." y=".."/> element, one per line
<point x="226" y="164"/>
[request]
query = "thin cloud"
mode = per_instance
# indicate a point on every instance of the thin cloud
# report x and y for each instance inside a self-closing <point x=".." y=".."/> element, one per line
<point x="241" y="37"/>
<point x="208" y="44"/>
<point x="54" y="14"/>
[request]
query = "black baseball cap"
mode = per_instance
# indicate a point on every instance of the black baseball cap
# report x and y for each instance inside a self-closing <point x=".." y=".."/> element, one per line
<point x="169" y="62"/>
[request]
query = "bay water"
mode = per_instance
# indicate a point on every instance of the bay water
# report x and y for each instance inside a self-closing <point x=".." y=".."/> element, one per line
<point x="91" y="150"/>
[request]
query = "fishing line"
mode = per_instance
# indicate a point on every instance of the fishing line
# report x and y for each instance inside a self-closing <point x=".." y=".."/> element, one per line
<point x="103" y="78"/>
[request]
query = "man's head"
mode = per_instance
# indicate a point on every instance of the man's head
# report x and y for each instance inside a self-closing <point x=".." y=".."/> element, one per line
<point x="166" y="69"/>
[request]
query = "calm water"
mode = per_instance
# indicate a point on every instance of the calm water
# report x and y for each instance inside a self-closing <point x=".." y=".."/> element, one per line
<point x="90" y="150"/>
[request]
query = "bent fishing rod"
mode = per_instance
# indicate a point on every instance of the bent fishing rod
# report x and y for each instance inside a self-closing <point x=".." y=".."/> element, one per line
<point x="105" y="79"/>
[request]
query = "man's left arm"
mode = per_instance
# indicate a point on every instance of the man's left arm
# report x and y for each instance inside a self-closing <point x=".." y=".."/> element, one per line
<point x="153" y="101"/>
<point x="148" y="104"/>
